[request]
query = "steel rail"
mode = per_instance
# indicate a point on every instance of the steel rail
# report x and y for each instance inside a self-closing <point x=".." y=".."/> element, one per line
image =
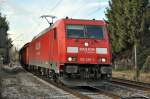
<point x="80" y="95"/>
<point x="132" y="84"/>
<point x="75" y="92"/>
<point x="65" y="88"/>
<point x="107" y="93"/>
<point x="71" y="91"/>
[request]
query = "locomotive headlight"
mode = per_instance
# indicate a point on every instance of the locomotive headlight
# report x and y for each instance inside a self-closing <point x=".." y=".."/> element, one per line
<point x="103" y="60"/>
<point x="86" y="44"/>
<point x="69" y="59"/>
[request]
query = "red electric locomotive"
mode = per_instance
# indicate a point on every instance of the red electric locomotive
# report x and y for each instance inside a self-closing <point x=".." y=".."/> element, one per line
<point x="73" y="51"/>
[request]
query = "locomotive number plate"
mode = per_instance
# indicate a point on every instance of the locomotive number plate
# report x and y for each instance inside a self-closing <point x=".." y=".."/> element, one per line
<point x="85" y="59"/>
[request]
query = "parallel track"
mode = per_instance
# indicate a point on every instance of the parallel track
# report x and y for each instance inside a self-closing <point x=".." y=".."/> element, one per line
<point x="107" y="93"/>
<point x="132" y="84"/>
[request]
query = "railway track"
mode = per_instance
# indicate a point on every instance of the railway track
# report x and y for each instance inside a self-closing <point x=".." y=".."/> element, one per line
<point x="99" y="91"/>
<point x="73" y="92"/>
<point x="132" y="84"/>
<point x="76" y="92"/>
<point x="115" y="96"/>
<point x="104" y="92"/>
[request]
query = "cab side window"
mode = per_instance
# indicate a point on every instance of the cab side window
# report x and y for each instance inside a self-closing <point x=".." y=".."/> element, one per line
<point x="55" y="34"/>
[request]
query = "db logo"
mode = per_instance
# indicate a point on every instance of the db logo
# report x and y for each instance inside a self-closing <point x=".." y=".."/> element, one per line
<point x="88" y="50"/>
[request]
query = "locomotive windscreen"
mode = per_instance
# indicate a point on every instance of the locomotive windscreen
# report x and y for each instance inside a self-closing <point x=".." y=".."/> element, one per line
<point x="84" y="31"/>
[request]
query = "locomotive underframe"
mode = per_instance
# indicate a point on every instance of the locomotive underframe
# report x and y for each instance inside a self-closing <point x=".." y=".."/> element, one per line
<point x="86" y="71"/>
<point x="76" y="75"/>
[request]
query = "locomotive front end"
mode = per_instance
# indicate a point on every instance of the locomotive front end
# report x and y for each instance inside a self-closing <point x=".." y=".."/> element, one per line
<point x="88" y="55"/>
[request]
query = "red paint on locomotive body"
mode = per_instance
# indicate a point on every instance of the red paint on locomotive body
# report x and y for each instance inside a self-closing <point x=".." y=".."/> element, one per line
<point x="69" y="45"/>
<point x="87" y="54"/>
<point x="48" y="47"/>
<point x="51" y="47"/>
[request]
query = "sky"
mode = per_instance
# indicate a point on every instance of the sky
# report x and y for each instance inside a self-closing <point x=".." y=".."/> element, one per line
<point x="24" y="15"/>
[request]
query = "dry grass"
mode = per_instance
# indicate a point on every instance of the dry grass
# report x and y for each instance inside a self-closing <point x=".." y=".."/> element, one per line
<point x="127" y="74"/>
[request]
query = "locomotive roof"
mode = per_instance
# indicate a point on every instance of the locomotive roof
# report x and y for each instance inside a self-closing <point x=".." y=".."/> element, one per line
<point x="42" y="32"/>
<point x="64" y="19"/>
<point x="24" y="46"/>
